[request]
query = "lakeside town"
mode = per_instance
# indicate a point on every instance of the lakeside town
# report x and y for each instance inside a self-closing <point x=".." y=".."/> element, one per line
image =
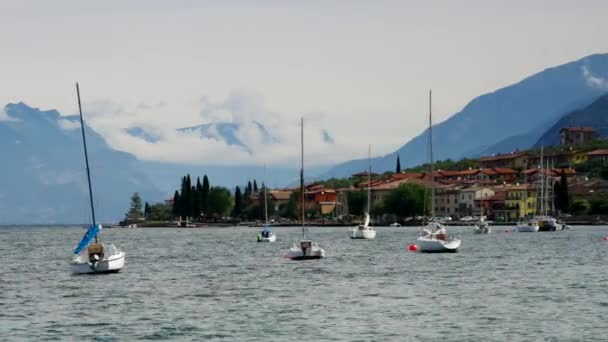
<point x="504" y="188"/>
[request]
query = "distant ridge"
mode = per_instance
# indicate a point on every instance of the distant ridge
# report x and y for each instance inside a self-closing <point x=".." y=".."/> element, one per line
<point x="512" y="117"/>
<point x="595" y="116"/>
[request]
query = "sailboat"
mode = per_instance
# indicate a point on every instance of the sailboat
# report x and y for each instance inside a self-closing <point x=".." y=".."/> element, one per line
<point x="365" y="231"/>
<point x="305" y="248"/>
<point x="89" y="256"/>
<point x="266" y="235"/>
<point x="435" y="238"/>
<point x="546" y="222"/>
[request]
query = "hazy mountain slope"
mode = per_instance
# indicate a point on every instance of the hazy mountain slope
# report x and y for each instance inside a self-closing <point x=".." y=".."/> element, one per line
<point x="43" y="174"/>
<point x="595" y="115"/>
<point x="511" y="111"/>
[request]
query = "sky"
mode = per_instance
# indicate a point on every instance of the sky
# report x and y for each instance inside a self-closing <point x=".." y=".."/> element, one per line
<point x="357" y="71"/>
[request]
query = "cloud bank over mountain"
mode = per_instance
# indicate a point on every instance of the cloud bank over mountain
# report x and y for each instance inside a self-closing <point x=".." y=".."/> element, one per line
<point x="237" y="130"/>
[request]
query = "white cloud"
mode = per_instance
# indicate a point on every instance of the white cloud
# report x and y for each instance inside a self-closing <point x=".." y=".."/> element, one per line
<point x="594" y="81"/>
<point x="5" y="117"/>
<point x="68" y="125"/>
<point x="242" y="107"/>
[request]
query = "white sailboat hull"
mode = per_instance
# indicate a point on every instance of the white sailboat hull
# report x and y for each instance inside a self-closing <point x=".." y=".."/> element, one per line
<point x="298" y="253"/>
<point x="271" y="238"/>
<point x="429" y="244"/>
<point x="482" y="229"/>
<point x="528" y="228"/>
<point x="109" y="264"/>
<point x="363" y="233"/>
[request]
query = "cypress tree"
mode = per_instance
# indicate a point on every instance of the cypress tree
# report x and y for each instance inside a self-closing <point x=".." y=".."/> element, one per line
<point x="205" y="195"/>
<point x="183" y="198"/>
<point x="398" y="169"/>
<point x="238" y="203"/>
<point x="255" y="186"/>
<point x="190" y="197"/>
<point x="175" y="209"/>
<point x="562" y="197"/>
<point x="249" y="188"/>
<point x="146" y="210"/>
<point x="196" y="198"/>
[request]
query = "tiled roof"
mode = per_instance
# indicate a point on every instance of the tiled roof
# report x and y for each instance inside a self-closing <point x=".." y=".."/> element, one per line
<point x="280" y="194"/>
<point x="511" y="155"/>
<point x="603" y="152"/>
<point x="577" y="129"/>
<point x="504" y="170"/>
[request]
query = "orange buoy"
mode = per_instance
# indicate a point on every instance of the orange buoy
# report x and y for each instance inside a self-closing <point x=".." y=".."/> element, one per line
<point x="412" y="248"/>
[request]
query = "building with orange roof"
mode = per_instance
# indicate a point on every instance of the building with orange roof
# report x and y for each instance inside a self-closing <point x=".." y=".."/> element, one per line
<point x="598" y="155"/>
<point x="577" y="135"/>
<point x="513" y="160"/>
<point x="468" y="196"/>
<point x="446" y="200"/>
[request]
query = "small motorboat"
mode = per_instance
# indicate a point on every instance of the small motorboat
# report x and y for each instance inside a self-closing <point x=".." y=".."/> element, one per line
<point x="395" y="224"/>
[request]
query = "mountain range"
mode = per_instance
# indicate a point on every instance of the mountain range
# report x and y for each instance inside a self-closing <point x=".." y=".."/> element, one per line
<point x="43" y="173"/>
<point x="514" y="117"/>
<point x="44" y="180"/>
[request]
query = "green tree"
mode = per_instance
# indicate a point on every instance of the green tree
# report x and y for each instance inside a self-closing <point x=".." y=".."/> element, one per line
<point x="255" y="186"/>
<point x="205" y="195"/>
<point x="176" y="202"/>
<point x="189" y="197"/>
<point x="220" y="201"/>
<point x="579" y="207"/>
<point x="406" y="200"/>
<point x="135" y="212"/>
<point x="249" y="188"/>
<point x="237" y="211"/>
<point x="196" y="199"/>
<point x="183" y="199"/>
<point x="604" y="172"/>
<point x="146" y="210"/>
<point x="291" y="209"/>
<point x="160" y="212"/>
<point x="598" y="205"/>
<point x="562" y="197"/>
<point x="398" y="168"/>
<point x="357" y="202"/>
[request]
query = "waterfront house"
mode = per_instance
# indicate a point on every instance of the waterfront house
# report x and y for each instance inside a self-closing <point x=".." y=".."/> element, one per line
<point x="588" y="188"/>
<point x="520" y="201"/>
<point x="598" y="155"/>
<point x="513" y="160"/>
<point x="577" y="135"/>
<point x="468" y="197"/>
<point x="446" y="200"/>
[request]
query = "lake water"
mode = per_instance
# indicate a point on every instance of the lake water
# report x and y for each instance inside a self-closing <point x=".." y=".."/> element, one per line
<point x="219" y="284"/>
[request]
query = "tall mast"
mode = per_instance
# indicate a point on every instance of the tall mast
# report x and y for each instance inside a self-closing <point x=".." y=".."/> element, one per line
<point x="302" y="213"/>
<point x="431" y="154"/>
<point x="265" y="198"/>
<point x="369" y="178"/>
<point x="86" y="157"/>
<point x="542" y="183"/>
<point x="547" y="182"/>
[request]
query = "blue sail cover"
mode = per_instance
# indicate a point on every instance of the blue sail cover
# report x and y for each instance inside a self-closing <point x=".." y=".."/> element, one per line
<point x="86" y="239"/>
